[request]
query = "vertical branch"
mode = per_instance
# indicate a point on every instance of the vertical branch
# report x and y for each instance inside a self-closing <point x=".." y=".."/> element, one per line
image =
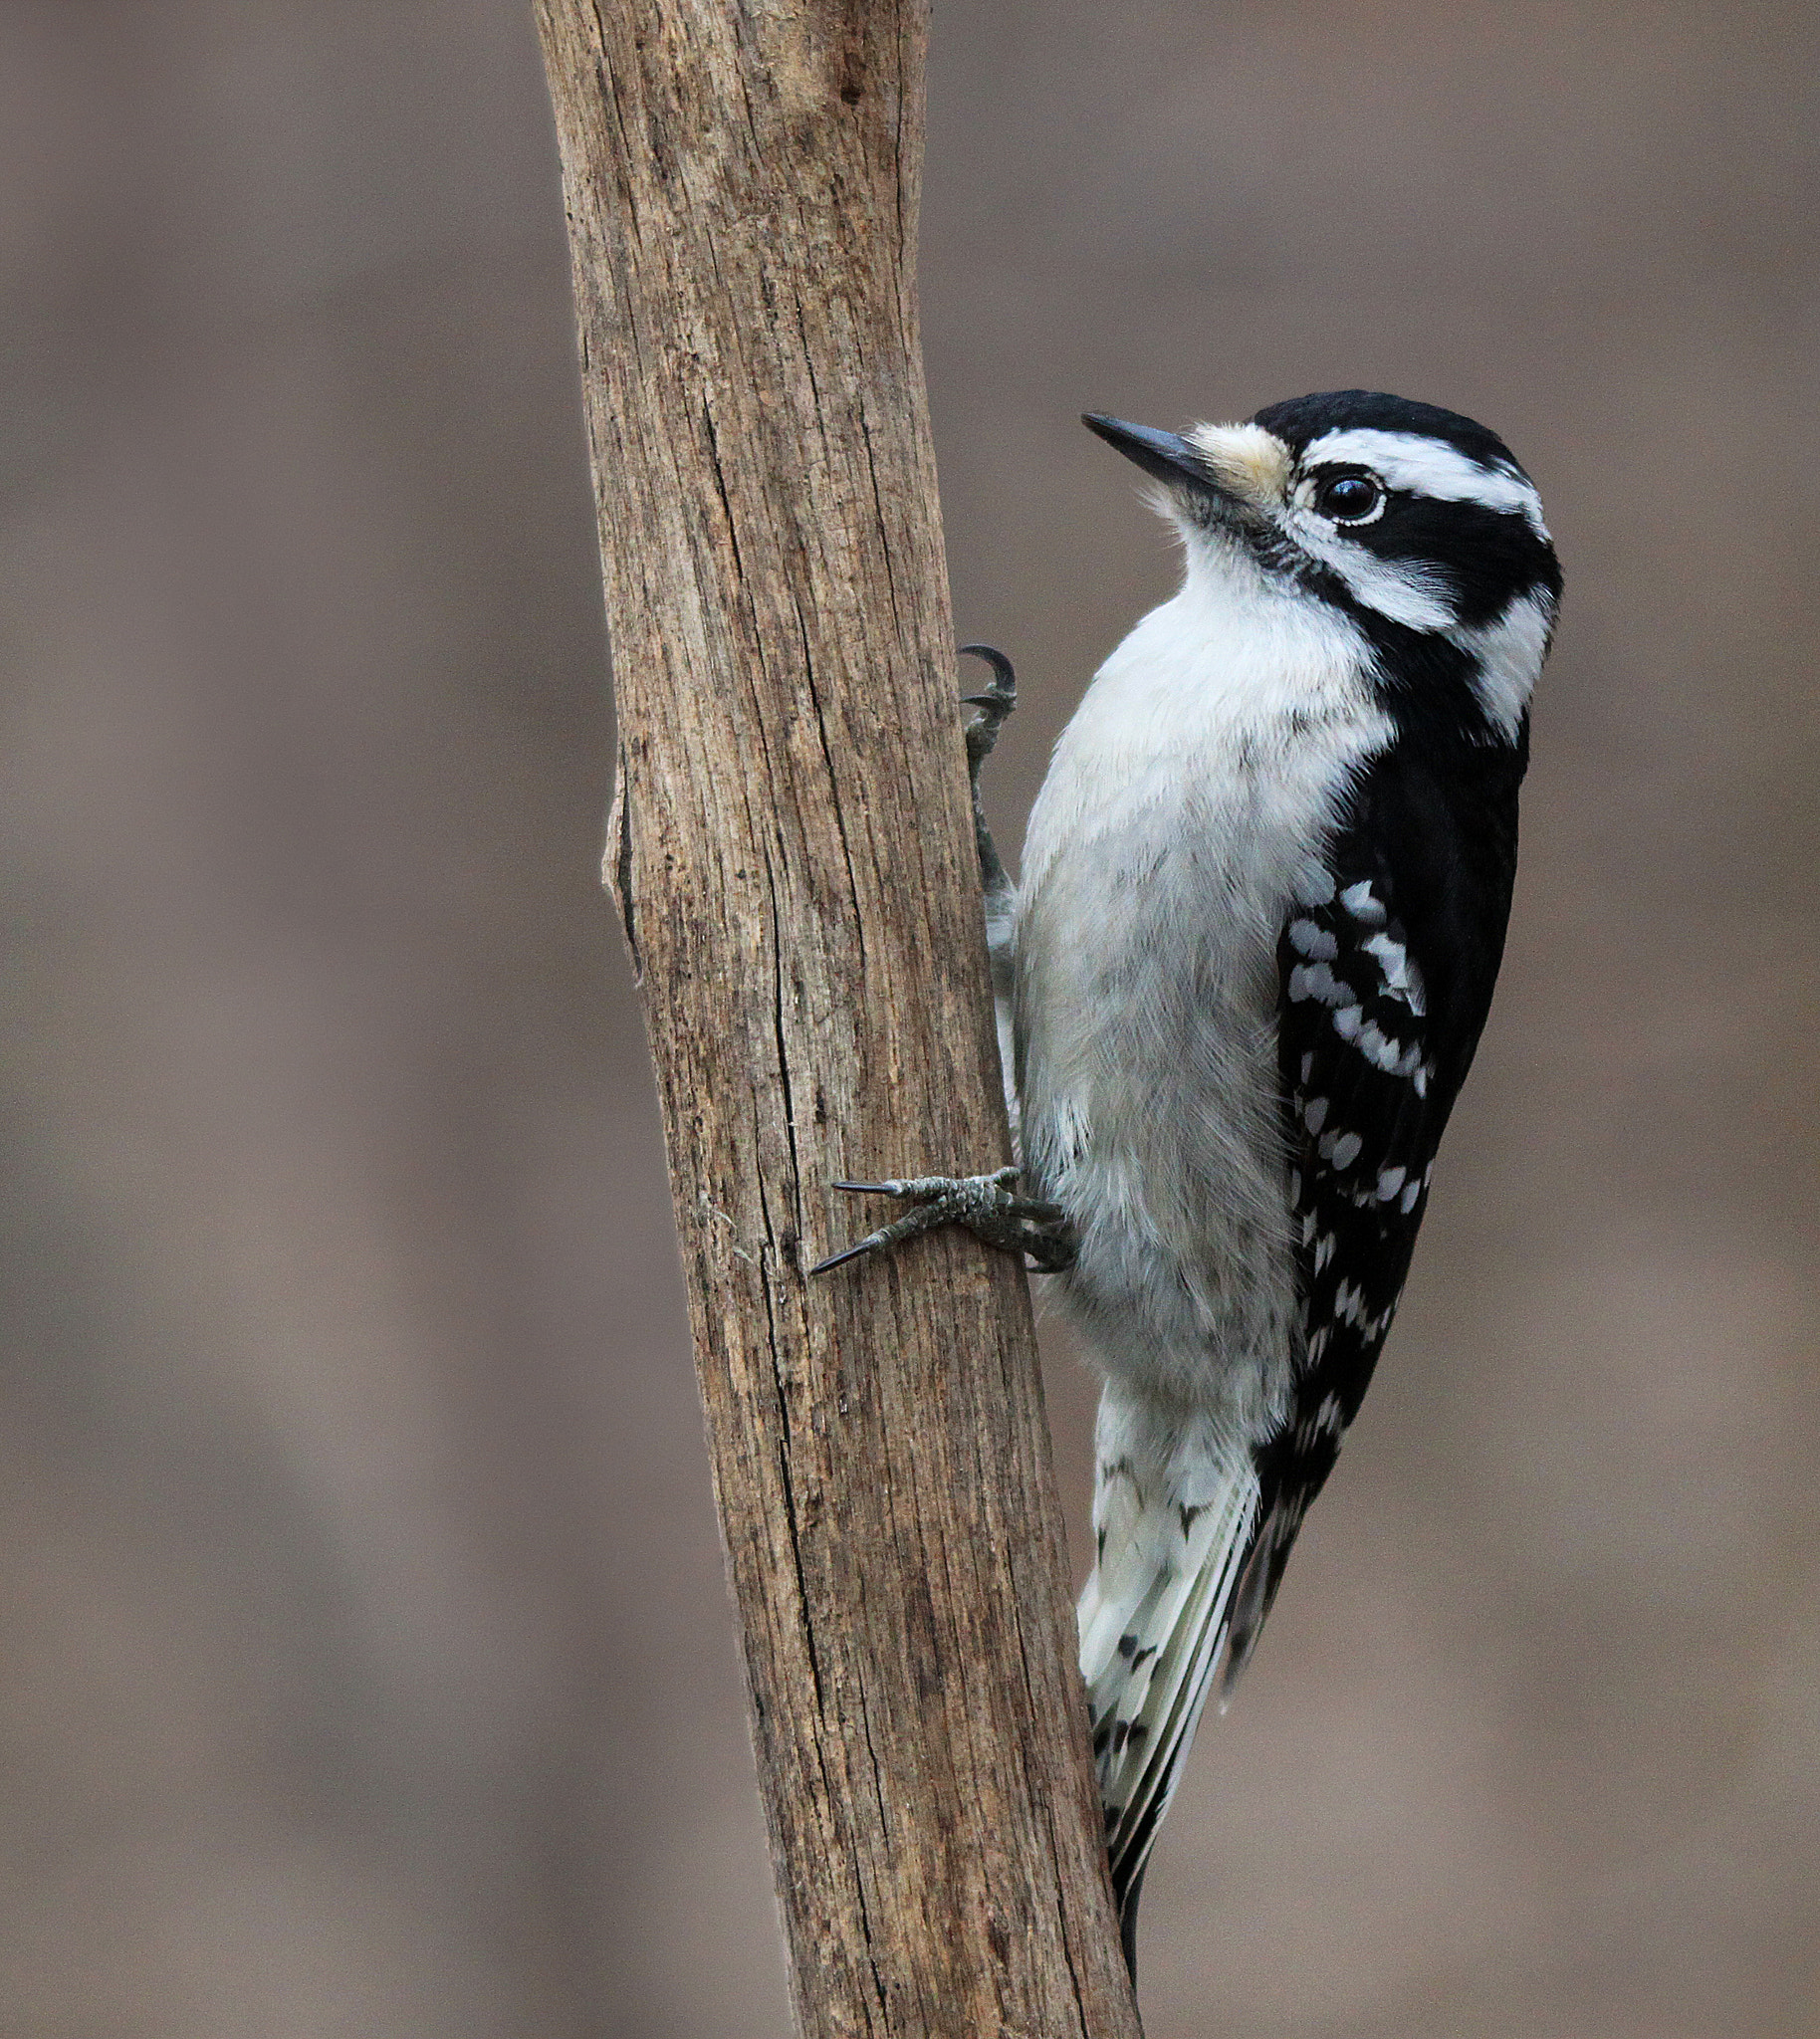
<point x="793" y="854"/>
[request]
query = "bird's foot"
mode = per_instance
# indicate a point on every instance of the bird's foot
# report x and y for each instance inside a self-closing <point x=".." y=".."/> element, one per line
<point x="994" y="704"/>
<point x="990" y="1207"/>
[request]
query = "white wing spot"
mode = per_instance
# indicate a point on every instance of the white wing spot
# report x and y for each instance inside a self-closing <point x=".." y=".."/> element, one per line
<point x="1402" y="977"/>
<point x="1346" y="1150"/>
<point x="1315" y="1116"/>
<point x="1316" y="981"/>
<point x="1378" y="1048"/>
<point x="1360" y="901"/>
<point x="1306" y="938"/>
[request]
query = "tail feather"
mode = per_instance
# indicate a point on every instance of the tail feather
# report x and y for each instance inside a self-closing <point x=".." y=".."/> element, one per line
<point x="1174" y="1512"/>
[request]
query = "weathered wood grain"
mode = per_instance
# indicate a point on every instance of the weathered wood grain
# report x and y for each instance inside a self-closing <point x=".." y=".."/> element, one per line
<point x="793" y="856"/>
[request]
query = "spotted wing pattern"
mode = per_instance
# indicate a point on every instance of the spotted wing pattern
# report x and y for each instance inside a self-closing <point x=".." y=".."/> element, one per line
<point x="1363" y="1109"/>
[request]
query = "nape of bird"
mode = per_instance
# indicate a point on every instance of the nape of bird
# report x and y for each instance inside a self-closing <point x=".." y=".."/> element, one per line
<point x="1242" y="977"/>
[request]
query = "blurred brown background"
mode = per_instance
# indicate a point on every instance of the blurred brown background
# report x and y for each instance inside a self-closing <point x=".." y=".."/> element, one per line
<point x="365" y="1663"/>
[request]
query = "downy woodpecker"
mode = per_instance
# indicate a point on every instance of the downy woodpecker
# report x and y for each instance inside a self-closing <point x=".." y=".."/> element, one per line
<point x="1242" y="977"/>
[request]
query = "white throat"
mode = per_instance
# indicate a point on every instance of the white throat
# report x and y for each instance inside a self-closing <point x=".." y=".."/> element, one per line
<point x="1236" y="694"/>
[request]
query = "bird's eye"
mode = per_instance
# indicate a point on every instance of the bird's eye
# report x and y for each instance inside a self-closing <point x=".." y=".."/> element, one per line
<point x="1349" y="498"/>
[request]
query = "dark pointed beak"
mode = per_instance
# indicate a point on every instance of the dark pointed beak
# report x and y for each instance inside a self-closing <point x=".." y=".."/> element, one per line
<point x="1167" y="455"/>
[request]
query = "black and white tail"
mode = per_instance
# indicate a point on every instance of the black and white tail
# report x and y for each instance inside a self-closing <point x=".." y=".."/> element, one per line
<point x="1175" y="1504"/>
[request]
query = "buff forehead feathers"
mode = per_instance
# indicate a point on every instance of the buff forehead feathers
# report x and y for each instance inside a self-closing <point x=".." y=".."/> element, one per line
<point x="1254" y="465"/>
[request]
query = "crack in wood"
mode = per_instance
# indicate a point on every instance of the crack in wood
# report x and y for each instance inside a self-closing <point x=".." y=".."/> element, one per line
<point x="741" y="211"/>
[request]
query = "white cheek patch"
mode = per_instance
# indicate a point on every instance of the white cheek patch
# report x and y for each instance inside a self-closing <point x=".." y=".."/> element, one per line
<point x="1429" y="467"/>
<point x="1406" y="591"/>
<point x="1508" y="653"/>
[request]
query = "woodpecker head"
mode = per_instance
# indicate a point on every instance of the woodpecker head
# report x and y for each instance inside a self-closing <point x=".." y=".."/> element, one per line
<point x="1413" y="521"/>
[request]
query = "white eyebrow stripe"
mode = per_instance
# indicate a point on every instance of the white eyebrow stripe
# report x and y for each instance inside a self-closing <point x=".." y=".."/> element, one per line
<point x="1431" y="467"/>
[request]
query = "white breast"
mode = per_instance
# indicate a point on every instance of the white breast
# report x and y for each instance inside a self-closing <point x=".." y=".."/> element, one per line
<point x="1192" y="785"/>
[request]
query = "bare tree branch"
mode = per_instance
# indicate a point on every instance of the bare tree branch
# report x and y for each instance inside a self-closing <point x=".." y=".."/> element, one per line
<point x="792" y="853"/>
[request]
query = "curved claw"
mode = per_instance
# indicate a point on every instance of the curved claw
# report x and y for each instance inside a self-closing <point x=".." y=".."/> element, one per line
<point x="1003" y="693"/>
<point x="994" y="705"/>
<point x="1001" y="666"/>
<point x="886" y="1235"/>
<point x="986" y="1205"/>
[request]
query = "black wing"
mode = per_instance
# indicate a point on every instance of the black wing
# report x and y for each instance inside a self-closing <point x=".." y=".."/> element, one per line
<point x="1386" y="969"/>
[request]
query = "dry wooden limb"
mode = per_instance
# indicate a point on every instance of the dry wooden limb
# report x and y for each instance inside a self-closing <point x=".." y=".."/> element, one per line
<point x="792" y="853"/>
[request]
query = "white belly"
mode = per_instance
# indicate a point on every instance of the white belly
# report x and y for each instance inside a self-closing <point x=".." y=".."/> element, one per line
<point x="1194" y="785"/>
